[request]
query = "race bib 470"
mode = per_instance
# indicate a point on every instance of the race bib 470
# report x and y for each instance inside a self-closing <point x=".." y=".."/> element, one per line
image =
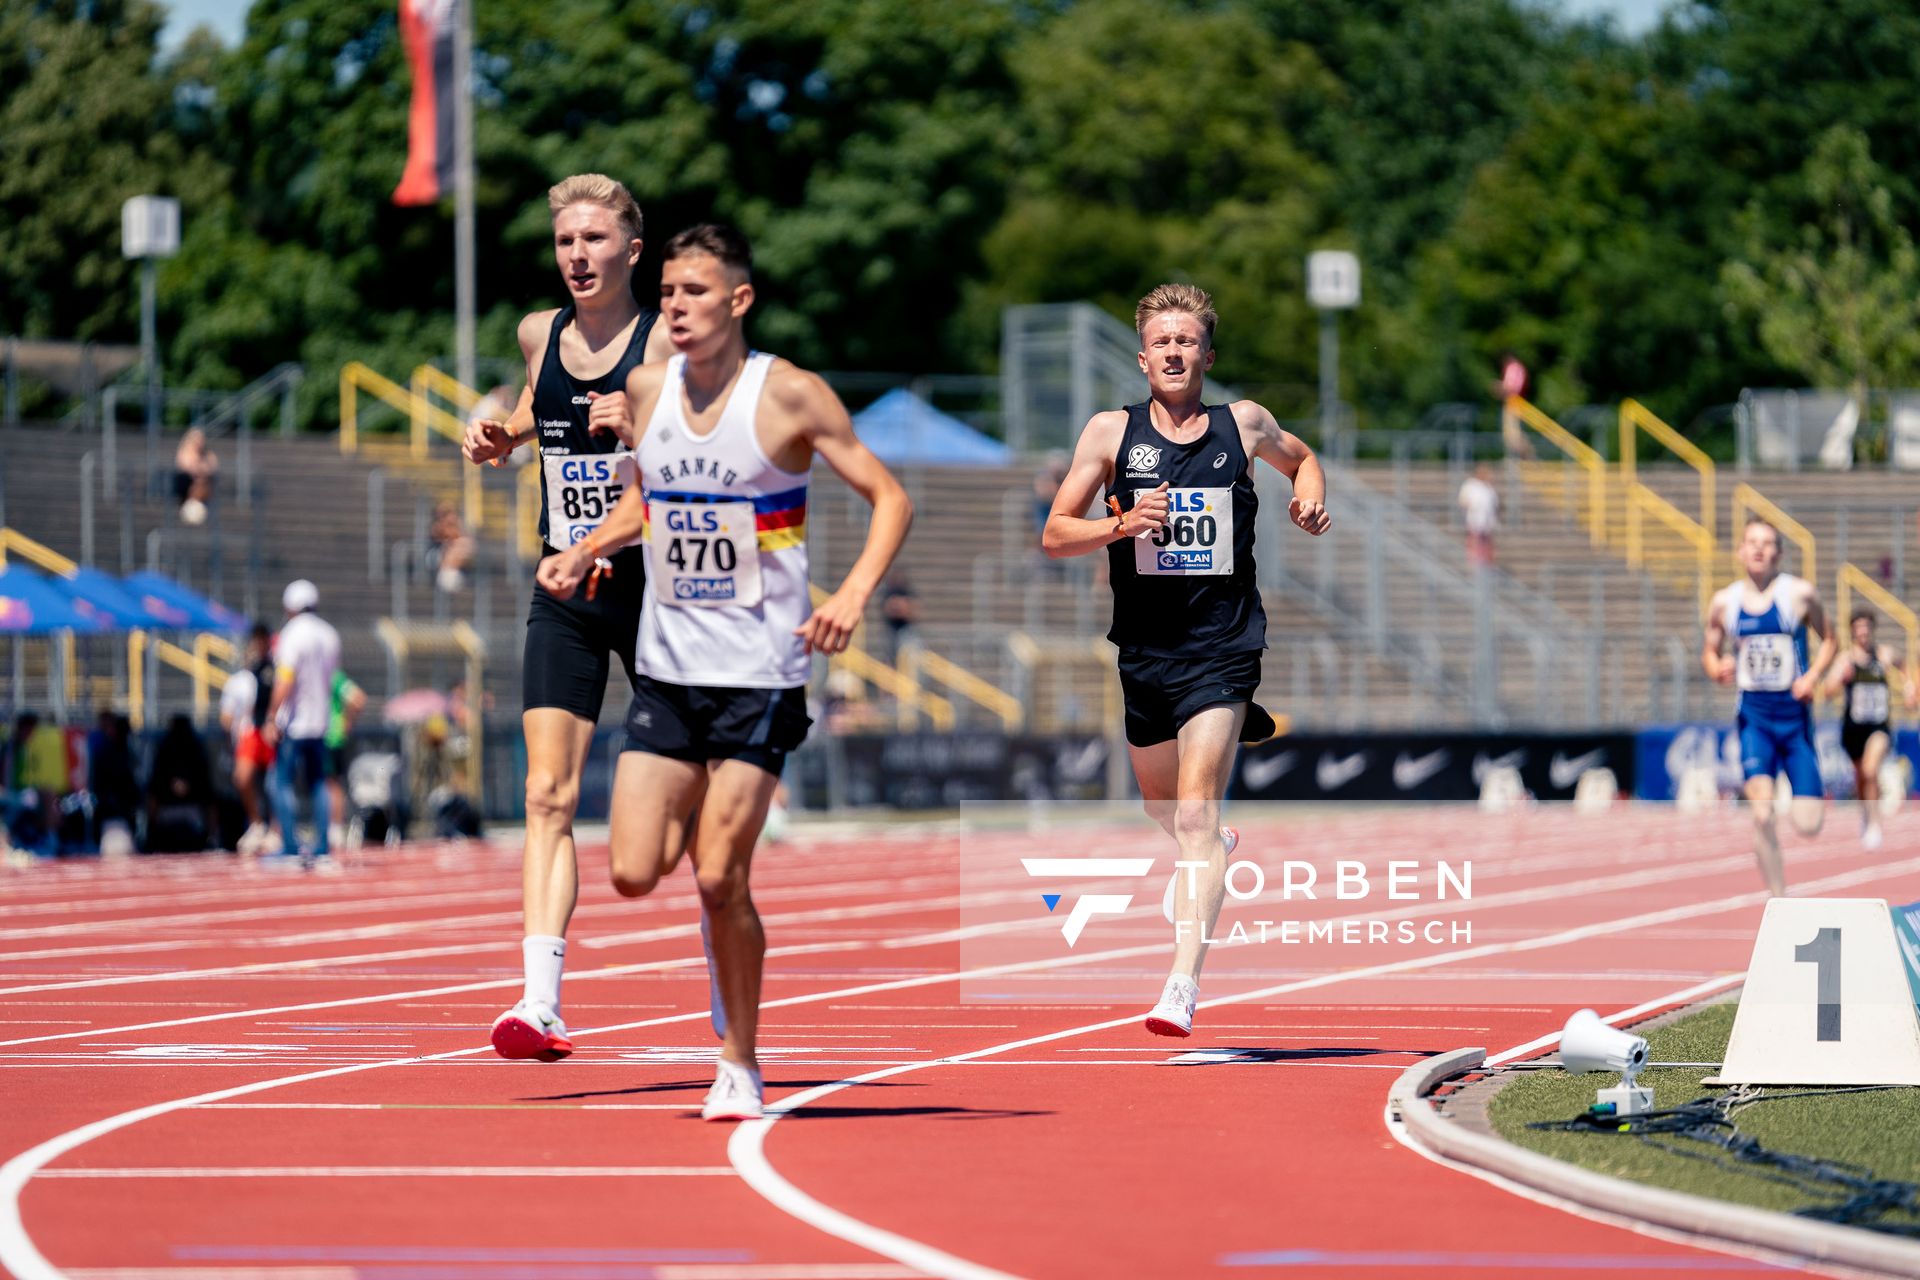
<point x="703" y="554"/>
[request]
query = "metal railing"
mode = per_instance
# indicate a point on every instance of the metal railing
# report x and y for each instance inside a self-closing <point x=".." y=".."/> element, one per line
<point x="424" y="419"/>
<point x="1581" y="453"/>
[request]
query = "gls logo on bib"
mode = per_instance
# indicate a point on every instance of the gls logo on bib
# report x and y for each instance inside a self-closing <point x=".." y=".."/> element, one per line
<point x="1143" y="457"/>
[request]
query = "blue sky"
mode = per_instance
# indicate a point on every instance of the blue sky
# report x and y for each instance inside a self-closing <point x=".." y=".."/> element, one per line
<point x="226" y="16"/>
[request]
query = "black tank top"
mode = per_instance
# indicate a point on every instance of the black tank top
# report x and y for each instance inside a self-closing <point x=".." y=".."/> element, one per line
<point x="1867" y="700"/>
<point x="1188" y="591"/>
<point x="577" y="480"/>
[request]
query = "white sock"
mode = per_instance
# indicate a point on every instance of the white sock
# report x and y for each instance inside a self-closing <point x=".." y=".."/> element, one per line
<point x="545" y="958"/>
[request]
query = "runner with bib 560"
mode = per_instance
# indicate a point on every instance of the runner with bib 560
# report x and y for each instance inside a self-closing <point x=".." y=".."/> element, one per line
<point x="1186" y="610"/>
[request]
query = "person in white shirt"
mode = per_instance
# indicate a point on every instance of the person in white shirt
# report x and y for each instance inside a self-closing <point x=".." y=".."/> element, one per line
<point x="1480" y="506"/>
<point x="305" y="658"/>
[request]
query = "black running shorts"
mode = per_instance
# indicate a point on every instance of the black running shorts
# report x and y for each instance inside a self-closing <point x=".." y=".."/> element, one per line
<point x="570" y="642"/>
<point x="703" y="723"/>
<point x="1854" y="737"/>
<point x="1162" y="694"/>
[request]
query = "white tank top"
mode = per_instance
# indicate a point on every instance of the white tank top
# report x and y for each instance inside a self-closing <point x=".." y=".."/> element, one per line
<point x="726" y="535"/>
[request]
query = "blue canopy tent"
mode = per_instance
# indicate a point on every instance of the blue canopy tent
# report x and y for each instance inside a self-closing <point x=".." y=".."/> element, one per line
<point x="179" y="606"/>
<point x="902" y="428"/>
<point x="101" y="596"/>
<point x="32" y="606"/>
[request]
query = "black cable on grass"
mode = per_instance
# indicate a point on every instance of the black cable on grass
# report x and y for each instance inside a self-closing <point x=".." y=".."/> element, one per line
<point x="1709" y="1120"/>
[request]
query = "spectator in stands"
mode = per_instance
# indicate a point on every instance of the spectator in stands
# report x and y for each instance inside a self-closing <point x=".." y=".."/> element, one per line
<point x="180" y="814"/>
<point x="194" y="467"/>
<point x="452" y="552"/>
<point x="243" y="714"/>
<point x="847" y="707"/>
<point x="900" y="610"/>
<point x="1512" y="381"/>
<point x="1480" y="506"/>
<point x="112" y="781"/>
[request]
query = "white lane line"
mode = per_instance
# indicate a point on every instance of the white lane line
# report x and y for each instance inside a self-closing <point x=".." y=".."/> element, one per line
<point x="657" y="1271"/>
<point x="408" y="1171"/>
<point x="1511" y="898"/>
<point x="19" y="1254"/>
<point x="747" y="1147"/>
<point x="892" y="905"/>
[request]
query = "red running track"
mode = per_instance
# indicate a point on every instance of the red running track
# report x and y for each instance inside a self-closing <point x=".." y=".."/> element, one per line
<point x="218" y="1070"/>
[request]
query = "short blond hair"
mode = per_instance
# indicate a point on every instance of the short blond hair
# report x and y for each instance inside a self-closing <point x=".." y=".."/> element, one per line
<point x="598" y="188"/>
<point x="1192" y="299"/>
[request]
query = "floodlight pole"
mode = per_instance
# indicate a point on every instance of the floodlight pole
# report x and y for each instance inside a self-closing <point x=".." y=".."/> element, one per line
<point x="463" y="192"/>
<point x="1329" y="374"/>
<point x="150" y="344"/>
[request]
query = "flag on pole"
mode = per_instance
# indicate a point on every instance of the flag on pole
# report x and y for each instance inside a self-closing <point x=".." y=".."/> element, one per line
<point x="426" y="28"/>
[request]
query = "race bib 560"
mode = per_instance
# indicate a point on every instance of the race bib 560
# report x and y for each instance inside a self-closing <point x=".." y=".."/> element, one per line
<point x="1197" y="538"/>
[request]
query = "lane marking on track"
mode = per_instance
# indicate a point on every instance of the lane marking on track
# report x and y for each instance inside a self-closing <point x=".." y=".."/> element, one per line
<point x="648" y="1270"/>
<point x="1512" y="897"/>
<point x="746" y="1150"/>
<point x="18" y="1252"/>
<point x="408" y="1171"/>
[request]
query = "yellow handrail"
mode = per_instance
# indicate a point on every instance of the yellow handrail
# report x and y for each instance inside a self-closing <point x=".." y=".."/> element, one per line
<point x="1640" y="498"/>
<point x="204" y="673"/>
<point x="137" y="678"/>
<point x="968" y="685"/>
<point x="422" y="414"/>
<point x="527" y="500"/>
<point x="1580" y="452"/>
<point x="1746" y="500"/>
<point x="37" y="552"/>
<point x="428" y="379"/>
<point x="1635" y="418"/>
<point x="1852" y="578"/>
<point x="907" y="693"/>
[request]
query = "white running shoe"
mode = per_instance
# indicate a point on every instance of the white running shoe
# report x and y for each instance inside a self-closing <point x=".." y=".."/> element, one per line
<point x="1227" y="834"/>
<point x="737" y="1093"/>
<point x="1173" y="1016"/>
<point x="1871" y="837"/>
<point x="531" y="1031"/>
<point x="255" y="839"/>
<point x="716" y="1007"/>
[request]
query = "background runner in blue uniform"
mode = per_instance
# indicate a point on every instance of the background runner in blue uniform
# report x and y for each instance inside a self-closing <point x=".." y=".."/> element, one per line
<point x="1767" y="616"/>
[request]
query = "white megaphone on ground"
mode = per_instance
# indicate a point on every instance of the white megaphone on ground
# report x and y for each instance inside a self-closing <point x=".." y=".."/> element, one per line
<point x="1588" y="1044"/>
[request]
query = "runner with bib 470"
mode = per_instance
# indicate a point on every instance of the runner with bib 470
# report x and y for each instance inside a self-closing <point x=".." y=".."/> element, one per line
<point x="574" y="405"/>
<point x="726" y="437"/>
<point x="1187" y="616"/>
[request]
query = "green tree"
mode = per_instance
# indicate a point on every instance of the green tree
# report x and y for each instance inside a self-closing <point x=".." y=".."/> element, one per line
<point x="1832" y="284"/>
<point x="86" y="120"/>
<point x="1150" y="159"/>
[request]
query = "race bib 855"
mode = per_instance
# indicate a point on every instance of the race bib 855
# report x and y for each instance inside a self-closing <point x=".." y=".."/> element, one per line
<point x="582" y="491"/>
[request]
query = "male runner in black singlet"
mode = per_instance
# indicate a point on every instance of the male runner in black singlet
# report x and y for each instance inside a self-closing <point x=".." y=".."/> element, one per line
<point x="578" y="359"/>
<point x="1862" y="677"/>
<point x="1186" y="611"/>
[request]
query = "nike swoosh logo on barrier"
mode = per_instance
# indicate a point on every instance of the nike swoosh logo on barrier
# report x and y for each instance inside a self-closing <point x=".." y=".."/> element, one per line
<point x="1410" y="771"/>
<point x="1563" y="772"/>
<point x="1261" y="772"/>
<point x="1334" y="774"/>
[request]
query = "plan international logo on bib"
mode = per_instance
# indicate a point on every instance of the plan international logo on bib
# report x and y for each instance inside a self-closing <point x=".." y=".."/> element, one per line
<point x="703" y="588"/>
<point x="1189" y="560"/>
